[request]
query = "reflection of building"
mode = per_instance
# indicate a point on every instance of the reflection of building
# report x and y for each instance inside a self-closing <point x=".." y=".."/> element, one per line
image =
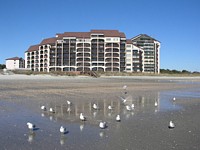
<point x="97" y="50"/>
<point x="14" y="63"/>
<point x="69" y="112"/>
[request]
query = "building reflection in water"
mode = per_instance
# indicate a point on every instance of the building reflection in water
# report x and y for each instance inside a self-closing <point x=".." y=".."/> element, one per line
<point x="141" y="103"/>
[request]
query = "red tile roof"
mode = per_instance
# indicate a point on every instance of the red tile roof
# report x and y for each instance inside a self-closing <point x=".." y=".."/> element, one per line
<point x="14" y="58"/>
<point x="73" y="34"/>
<point x="77" y="34"/>
<point x="59" y="36"/>
<point x="109" y="33"/>
<point x="48" y="41"/>
<point x="33" y="48"/>
<point x="128" y="41"/>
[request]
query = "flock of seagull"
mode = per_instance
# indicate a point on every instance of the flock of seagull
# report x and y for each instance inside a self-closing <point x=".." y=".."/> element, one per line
<point x="102" y="124"/>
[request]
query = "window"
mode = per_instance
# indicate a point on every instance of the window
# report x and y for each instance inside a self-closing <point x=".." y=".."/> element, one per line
<point x="108" y="39"/>
<point x="128" y="60"/>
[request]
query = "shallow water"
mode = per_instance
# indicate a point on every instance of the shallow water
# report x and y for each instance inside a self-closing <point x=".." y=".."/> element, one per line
<point x="145" y="127"/>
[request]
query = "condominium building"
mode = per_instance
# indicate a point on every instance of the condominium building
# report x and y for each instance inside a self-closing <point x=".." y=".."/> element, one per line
<point x="97" y="50"/>
<point x="151" y="49"/>
<point x="134" y="58"/>
<point x="14" y="63"/>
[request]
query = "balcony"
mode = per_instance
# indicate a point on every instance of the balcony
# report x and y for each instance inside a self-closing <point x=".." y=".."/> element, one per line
<point x="83" y="45"/>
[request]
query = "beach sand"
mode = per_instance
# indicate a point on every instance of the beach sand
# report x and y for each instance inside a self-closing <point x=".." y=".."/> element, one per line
<point x="145" y="127"/>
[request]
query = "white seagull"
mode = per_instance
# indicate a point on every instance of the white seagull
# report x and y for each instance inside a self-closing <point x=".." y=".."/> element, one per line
<point x="128" y="108"/>
<point x="125" y="87"/>
<point x="51" y="110"/>
<point x="156" y="104"/>
<point x="63" y="130"/>
<point x="102" y="125"/>
<point x="31" y="126"/>
<point x="69" y="103"/>
<point x="123" y="100"/>
<point x="171" y="125"/>
<point x="174" y="99"/>
<point x="82" y="117"/>
<point x="132" y="106"/>
<point x="95" y="106"/>
<point x="43" y="108"/>
<point x="118" y="118"/>
<point x="110" y="107"/>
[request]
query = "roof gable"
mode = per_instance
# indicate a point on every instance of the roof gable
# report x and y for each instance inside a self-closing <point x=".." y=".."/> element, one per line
<point x="48" y="41"/>
<point x="33" y="48"/>
<point x="14" y="58"/>
<point x="143" y="36"/>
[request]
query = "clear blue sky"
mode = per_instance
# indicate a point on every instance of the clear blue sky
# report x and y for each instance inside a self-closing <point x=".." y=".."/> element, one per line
<point x="175" y="23"/>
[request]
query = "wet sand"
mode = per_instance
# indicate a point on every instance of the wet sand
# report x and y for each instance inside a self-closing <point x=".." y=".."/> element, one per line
<point x="145" y="127"/>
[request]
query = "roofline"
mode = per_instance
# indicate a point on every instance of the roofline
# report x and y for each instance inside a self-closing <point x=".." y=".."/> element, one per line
<point x="144" y="35"/>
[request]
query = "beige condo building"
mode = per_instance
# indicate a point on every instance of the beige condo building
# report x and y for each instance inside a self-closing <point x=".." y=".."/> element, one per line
<point x="97" y="50"/>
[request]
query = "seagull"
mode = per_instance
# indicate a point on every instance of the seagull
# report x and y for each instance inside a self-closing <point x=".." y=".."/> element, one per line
<point x="171" y="125"/>
<point x="128" y="108"/>
<point x="102" y="125"/>
<point x="43" y="108"/>
<point x="174" y="99"/>
<point x="51" y="110"/>
<point x="156" y="103"/>
<point x="132" y="106"/>
<point x="124" y="87"/>
<point x="123" y="100"/>
<point x="63" y="130"/>
<point x="110" y="107"/>
<point x="118" y="118"/>
<point x="95" y="106"/>
<point x="30" y="126"/>
<point x="69" y="103"/>
<point x="82" y="117"/>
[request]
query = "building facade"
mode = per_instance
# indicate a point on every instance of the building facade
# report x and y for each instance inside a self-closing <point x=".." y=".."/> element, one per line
<point x="134" y="58"/>
<point x="151" y="49"/>
<point x="97" y="50"/>
<point x="14" y="63"/>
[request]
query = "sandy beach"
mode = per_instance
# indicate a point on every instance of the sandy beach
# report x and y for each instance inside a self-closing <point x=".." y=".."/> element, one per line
<point x="144" y="127"/>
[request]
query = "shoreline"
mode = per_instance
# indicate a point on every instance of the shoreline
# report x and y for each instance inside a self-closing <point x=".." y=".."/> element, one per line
<point x="22" y="76"/>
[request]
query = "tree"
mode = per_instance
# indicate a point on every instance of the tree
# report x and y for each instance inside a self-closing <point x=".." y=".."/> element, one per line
<point x="2" y="66"/>
<point x="185" y="71"/>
